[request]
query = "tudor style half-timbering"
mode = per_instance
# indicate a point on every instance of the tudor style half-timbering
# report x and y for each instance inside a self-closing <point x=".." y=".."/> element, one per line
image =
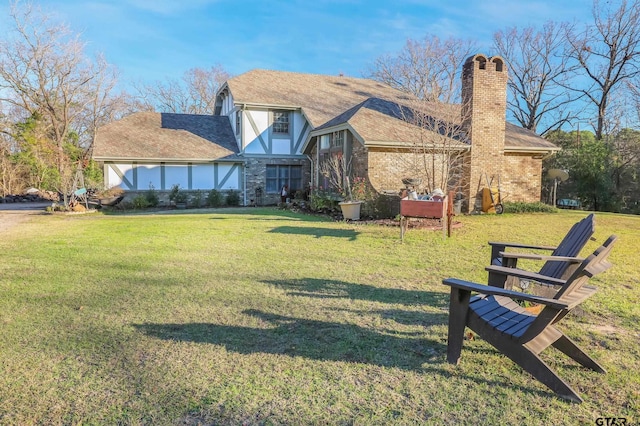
<point x="269" y="136"/>
<point x="161" y="150"/>
<point x="273" y="128"/>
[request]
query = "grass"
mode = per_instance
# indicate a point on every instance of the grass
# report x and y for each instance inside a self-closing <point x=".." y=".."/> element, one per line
<point x="260" y="316"/>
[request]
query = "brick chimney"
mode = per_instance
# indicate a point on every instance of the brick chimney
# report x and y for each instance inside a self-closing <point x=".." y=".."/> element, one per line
<point x="484" y="108"/>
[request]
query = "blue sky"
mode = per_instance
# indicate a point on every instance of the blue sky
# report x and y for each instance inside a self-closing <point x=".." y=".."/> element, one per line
<point x="156" y="39"/>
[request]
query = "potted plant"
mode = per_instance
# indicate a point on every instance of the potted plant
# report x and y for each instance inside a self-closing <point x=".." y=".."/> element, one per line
<point x="352" y="189"/>
<point x="354" y="194"/>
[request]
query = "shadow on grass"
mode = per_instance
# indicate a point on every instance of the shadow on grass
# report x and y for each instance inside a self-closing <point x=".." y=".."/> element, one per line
<point x="316" y="232"/>
<point x="320" y="288"/>
<point x="312" y="339"/>
<point x="324" y="341"/>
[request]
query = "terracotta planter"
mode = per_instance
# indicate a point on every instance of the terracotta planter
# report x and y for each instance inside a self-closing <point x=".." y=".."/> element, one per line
<point x="350" y="209"/>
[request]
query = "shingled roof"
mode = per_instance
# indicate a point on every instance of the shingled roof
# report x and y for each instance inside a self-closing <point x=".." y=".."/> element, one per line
<point x="163" y="137"/>
<point x="379" y="122"/>
<point x="321" y="97"/>
<point x="365" y="105"/>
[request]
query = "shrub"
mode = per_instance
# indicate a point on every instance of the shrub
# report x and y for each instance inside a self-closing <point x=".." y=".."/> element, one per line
<point x="301" y="195"/>
<point x="233" y="198"/>
<point x="197" y="199"/>
<point x="323" y="201"/>
<point x="521" y="207"/>
<point x="173" y="194"/>
<point x="214" y="198"/>
<point x="140" y="202"/>
<point x="152" y="196"/>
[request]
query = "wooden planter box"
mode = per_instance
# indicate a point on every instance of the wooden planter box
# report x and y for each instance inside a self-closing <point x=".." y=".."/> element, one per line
<point x="426" y="209"/>
<point x="423" y="208"/>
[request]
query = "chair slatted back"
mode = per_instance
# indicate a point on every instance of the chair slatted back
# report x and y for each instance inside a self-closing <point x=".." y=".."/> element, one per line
<point x="570" y="246"/>
<point x="594" y="264"/>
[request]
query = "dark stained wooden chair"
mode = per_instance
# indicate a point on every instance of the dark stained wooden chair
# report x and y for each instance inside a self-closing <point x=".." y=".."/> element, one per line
<point x="560" y="264"/>
<point x="519" y="334"/>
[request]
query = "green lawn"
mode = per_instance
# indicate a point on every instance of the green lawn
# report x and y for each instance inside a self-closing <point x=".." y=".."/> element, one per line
<point x="260" y="316"/>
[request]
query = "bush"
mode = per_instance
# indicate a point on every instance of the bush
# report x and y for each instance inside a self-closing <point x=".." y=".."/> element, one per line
<point x="140" y="202"/>
<point x="197" y="199"/>
<point x="233" y="198"/>
<point x="152" y="196"/>
<point x="300" y="194"/>
<point x="173" y="193"/>
<point x="214" y="198"/>
<point x="521" y="207"/>
<point x="323" y="201"/>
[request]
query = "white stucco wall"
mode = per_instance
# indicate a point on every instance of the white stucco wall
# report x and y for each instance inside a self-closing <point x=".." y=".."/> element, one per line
<point x="130" y="176"/>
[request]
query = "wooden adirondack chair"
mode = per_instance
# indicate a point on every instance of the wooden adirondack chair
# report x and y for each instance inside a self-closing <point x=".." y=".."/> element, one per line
<point x="495" y="316"/>
<point x="560" y="264"/>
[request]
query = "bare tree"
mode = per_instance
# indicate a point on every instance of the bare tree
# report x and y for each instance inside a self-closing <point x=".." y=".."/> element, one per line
<point x="439" y="145"/>
<point x="634" y="91"/>
<point x="606" y="54"/>
<point x="428" y="69"/>
<point x="336" y="168"/>
<point x="44" y="73"/>
<point x="194" y="93"/>
<point x="537" y="76"/>
<point x="43" y="70"/>
<point x="103" y="104"/>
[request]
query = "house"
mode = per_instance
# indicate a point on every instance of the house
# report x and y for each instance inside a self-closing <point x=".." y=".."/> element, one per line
<point x="159" y="150"/>
<point x="273" y="128"/>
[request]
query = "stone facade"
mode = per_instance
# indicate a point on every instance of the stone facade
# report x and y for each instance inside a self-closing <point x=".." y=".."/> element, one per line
<point x="256" y="178"/>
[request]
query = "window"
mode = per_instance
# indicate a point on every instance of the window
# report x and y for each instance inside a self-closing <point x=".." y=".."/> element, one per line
<point x="238" y="121"/>
<point x="280" y="122"/>
<point x="325" y="141"/>
<point x="278" y="176"/>
<point x="337" y="139"/>
<point x="333" y="141"/>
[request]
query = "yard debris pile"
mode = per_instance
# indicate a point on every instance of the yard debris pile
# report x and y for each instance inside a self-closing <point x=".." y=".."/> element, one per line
<point x="31" y="195"/>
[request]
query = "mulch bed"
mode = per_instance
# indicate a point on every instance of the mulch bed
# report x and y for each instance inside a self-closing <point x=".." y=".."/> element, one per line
<point x="414" y="222"/>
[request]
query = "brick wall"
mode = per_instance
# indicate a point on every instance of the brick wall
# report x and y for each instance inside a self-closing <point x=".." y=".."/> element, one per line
<point x="484" y="105"/>
<point x="388" y="167"/>
<point x="523" y="178"/>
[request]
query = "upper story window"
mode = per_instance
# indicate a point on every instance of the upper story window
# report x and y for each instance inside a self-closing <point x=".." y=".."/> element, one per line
<point x="337" y="139"/>
<point x="281" y="122"/>
<point x="238" y="121"/>
<point x="333" y="141"/>
<point x="325" y="141"/>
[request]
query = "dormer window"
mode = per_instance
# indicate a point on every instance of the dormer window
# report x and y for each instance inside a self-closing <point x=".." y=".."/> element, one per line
<point x="281" y="122"/>
<point x="238" y="121"/>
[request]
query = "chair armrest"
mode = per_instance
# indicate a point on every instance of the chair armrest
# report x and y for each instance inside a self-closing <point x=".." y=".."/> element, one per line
<point x="497" y="291"/>
<point x="514" y="272"/>
<point x="517" y="245"/>
<point x="547" y="258"/>
<point x="498" y="247"/>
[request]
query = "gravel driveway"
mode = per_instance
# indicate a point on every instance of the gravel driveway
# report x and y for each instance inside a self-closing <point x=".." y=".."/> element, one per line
<point x="12" y="214"/>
